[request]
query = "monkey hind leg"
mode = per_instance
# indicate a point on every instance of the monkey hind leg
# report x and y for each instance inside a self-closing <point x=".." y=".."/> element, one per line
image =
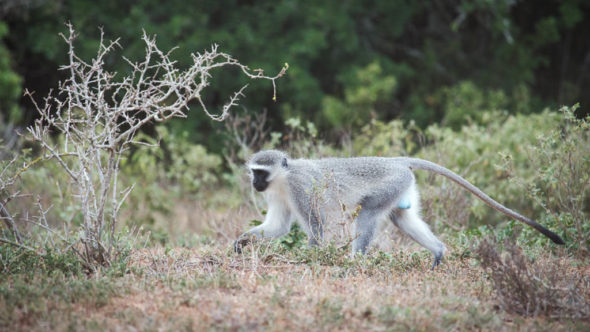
<point x="410" y="223"/>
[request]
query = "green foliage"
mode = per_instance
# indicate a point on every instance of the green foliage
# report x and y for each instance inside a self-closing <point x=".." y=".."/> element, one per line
<point x="175" y="161"/>
<point x="10" y="81"/>
<point x="173" y="169"/>
<point x="295" y="239"/>
<point x="328" y="254"/>
<point x="536" y="164"/>
<point x="254" y="222"/>
<point x="367" y="90"/>
<point x="386" y="139"/>
<point x="301" y="138"/>
<point x="47" y="261"/>
<point x="476" y="153"/>
<point x="560" y="184"/>
<point x="46" y="183"/>
<point x="551" y="171"/>
<point x="465" y="101"/>
<point x="350" y="61"/>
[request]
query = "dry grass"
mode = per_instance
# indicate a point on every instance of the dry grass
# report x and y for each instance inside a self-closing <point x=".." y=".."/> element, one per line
<point x="269" y="289"/>
<point x="550" y="287"/>
<point x="206" y="286"/>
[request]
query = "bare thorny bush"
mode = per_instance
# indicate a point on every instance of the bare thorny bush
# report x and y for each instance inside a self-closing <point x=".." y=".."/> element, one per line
<point x="7" y="193"/>
<point x="248" y="133"/>
<point x="546" y="287"/>
<point x="98" y="115"/>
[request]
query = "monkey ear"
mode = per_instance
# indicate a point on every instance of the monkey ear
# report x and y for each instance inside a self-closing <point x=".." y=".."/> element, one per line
<point x="284" y="164"/>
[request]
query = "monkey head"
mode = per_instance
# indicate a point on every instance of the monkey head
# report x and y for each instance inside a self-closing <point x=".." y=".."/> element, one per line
<point x="266" y="165"/>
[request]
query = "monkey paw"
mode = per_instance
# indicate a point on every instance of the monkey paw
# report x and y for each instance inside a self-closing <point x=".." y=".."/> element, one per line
<point x="437" y="261"/>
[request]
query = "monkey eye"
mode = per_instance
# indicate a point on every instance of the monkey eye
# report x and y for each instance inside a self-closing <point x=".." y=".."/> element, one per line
<point x="260" y="173"/>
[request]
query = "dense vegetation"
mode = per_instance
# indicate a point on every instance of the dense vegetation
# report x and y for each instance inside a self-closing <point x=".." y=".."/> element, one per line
<point x="426" y="61"/>
<point x="474" y="85"/>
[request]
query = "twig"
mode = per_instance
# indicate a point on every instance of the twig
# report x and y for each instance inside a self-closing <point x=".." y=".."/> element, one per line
<point x="19" y="245"/>
<point x="99" y="113"/>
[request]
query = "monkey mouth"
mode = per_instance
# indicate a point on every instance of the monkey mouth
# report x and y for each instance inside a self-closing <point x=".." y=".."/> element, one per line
<point x="260" y="186"/>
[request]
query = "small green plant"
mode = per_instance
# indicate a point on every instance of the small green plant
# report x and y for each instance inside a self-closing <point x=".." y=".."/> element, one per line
<point x="295" y="239"/>
<point x="328" y="254"/>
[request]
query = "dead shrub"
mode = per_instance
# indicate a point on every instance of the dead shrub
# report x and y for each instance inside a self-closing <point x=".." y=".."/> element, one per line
<point x="546" y="286"/>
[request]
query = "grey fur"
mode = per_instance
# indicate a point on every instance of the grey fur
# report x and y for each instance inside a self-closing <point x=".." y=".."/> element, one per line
<point x="269" y="158"/>
<point x="305" y="189"/>
<point x="421" y="164"/>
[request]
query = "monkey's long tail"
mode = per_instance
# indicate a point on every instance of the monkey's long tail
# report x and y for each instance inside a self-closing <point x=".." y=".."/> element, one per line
<point x="415" y="163"/>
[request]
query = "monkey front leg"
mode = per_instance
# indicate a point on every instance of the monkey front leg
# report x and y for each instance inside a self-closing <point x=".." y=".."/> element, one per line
<point x="276" y="223"/>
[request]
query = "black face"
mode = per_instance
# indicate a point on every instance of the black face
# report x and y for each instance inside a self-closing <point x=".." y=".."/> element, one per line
<point x="259" y="179"/>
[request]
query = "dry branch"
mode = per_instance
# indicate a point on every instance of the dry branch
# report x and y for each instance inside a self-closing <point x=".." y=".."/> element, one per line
<point x="98" y="113"/>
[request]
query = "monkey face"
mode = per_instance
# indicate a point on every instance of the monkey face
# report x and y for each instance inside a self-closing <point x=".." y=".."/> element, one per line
<point x="259" y="179"/>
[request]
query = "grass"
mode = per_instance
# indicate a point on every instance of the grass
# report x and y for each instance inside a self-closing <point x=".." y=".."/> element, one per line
<point x="186" y="277"/>
<point x="270" y="287"/>
<point x="544" y="287"/>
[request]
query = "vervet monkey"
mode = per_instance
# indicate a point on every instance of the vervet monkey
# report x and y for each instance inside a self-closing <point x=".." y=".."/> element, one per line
<point x="306" y="190"/>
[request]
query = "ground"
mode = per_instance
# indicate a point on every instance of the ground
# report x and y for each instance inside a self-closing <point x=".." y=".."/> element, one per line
<point x="270" y="288"/>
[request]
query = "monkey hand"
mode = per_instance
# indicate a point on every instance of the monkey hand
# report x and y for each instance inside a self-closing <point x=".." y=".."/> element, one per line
<point x="241" y="242"/>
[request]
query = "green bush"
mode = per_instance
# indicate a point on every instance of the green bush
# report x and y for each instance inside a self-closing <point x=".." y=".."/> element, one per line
<point x="465" y="102"/>
<point x="10" y="82"/>
<point x="174" y="161"/>
<point x="536" y="164"/>
<point x="173" y="169"/>
<point x="369" y="89"/>
<point x="559" y="184"/>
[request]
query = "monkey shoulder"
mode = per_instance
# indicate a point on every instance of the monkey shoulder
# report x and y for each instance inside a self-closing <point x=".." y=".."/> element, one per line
<point x="302" y="171"/>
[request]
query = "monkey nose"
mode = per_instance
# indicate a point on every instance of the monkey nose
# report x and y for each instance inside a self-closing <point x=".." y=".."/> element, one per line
<point x="260" y="186"/>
